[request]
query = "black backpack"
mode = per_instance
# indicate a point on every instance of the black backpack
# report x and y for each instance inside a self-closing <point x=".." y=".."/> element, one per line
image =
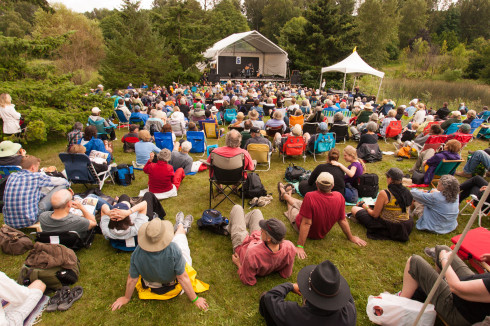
<point x="213" y="221"/>
<point x="368" y="185"/>
<point x="253" y="187"/>
<point x="293" y="173"/>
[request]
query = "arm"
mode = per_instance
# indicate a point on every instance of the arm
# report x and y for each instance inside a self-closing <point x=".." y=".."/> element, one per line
<point x="344" y="225"/>
<point x="130" y="284"/>
<point x="89" y="216"/>
<point x="349" y="172"/>
<point x="425" y="198"/>
<point x="304" y="229"/>
<point x="378" y="206"/>
<point x="185" y="281"/>
<point x="246" y="271"/>
<point x="120" y="214"/>
<point x="104" y="225"/>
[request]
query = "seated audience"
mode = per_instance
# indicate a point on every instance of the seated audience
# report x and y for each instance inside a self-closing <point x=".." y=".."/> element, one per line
<point x="257" y="138"/>
<point x="410" y="110"/>
<point x="306" y="186"/>
<point x="122" y="107"/>
<point x="254" y="116"/>
<point x="109" y="126"/>
<point x="262" y="251"/>
<point x="182" y="159"/>
<point x="388" y="219"/>
<point x="247" y="125"/>
<point x="276" y="121"/>
<point x="130" y="139"/>
<point x="315" y="215"/>
<point x="443" y="112"/>
<point x="138" y="115"/>
<point x="364" y="115"/>
<point x="400" y="111"/>
<point x="474" y="186"/>
<point x="92" y="143"/>
<point x="470" y="116"/>
<point x="428" y="118"/>
<point x="316" y="115"/>
<point x="11" y="153"/>
<point x="386" y="121"/>
<point x="75" y="135"/>
<point x="326" y="299"/>
<point x="197" y="113"/>
<point x="320" y="129"/>
<point x="455" y="117"/>
<point x="154" y="124"/>
<point x="463" y="298"/>
<point x="99" y="166"/>
<point x="352" y="173"/>
<point x="432" y="159"/>
<point x="477" y="157"/>
<point x="238" y="121"/>
<point x="24" y="198"/>
<point x="438" y="209"/>
<point x="370" y="137"/>
<point x="296" y="131"/>
<point x="420" y="114"/>
<point x="161" y="176"/>
<point x="144" y="147"/>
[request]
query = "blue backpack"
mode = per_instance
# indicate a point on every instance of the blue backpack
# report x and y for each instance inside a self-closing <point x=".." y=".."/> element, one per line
<point x="213" y="221"/>
<point x="124" y="174"/>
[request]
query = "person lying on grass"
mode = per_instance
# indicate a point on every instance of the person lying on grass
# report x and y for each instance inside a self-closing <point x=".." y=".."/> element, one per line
<point x="314" y="216"/>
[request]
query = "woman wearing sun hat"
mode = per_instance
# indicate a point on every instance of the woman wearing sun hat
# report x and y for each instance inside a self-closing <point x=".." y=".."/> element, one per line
<point x="11" y="153"/>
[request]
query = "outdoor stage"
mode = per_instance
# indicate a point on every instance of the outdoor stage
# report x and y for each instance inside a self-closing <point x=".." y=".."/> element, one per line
<point x="254" y="80"/>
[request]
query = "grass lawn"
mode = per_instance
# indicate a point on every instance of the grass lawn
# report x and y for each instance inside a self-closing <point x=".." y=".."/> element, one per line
<point x="370" y="270"/>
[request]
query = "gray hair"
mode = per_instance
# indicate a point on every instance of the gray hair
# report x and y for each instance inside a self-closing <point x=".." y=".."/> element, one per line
<point x="164" y="155"/>
<point x="233" y="139"/>
<point x="372" y="126"/>
<point x="186" y="146"/>
<point x="338" y="117"/>
<point x="60" y="199"/>
<point x="78" y="126"/>
<point x="450" y="187"/>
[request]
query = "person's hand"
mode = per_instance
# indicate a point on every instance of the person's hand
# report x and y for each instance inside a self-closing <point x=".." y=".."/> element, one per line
<point x="120" y="302"/>
<point x="361" y="204"/>
<point x="152" y="155"/>
<point x="76" y="204"/>
<point x="119" y="214"/>
<point x="483" y="188"/>
<point x="444" y="254"/>
<point x="358" y="241"/>
<point x="296" y="289"/>
<point x="236" y="259"/>
<point x="300" y="252"/>
<point x="202" y="304"/>
<point x="485" y="257"/>
<point x="335" y="163"/>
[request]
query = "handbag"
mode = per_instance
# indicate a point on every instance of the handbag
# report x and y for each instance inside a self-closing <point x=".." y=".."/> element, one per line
<point x="14" y="242"/>
<point x="417" y="178"/>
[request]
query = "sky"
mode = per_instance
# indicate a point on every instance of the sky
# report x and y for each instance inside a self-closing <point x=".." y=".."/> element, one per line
<point x="89" y="5"/>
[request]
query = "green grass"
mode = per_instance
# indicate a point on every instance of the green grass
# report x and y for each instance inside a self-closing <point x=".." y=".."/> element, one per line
<point x="370" y="270"/>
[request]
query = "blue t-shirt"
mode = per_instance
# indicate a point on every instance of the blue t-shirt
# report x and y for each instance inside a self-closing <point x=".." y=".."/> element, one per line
<point x="143" y="149"/>
<point x="439" y="215"/>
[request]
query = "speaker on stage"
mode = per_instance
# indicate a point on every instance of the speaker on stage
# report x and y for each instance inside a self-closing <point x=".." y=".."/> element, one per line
<point x="213" y="78"/>
<point x="296" y="78"/>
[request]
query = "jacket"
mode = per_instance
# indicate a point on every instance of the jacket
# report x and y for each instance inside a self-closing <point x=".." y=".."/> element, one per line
<point x="46" y="255"/>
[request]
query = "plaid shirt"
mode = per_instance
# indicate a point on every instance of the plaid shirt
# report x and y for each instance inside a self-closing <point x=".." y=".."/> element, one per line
<point x="74" y="137"/>
<point x="21" y="197"/>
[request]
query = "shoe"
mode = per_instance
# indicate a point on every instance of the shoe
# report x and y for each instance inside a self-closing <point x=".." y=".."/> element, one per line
<point x="431" y="252"/>
<point x="400" y="159"/>
<point x="179" y="219"/>
<point x="188" y="222"/>
<point x="290" y="185"/>
<point x="70" y="297"/>
<point x="56" y="299"/>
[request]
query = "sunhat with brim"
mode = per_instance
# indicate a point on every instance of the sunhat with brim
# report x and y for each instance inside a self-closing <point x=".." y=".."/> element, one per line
<point x="368" y="106"/>
<point x="296" y="130"/>
<point x="8" y="148"/>
<point x="253" y="114"/>
<point x="323" y="286"/>
<point x="156" y="235"/>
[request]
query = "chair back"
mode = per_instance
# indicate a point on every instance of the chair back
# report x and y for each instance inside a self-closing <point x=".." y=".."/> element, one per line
<point x="210" y="129"/>
<point x="296" y="120"/>
<point x="77" y="167"/>
<point x="99" y="125"/>
<point x="177" y="127"/>
<point x="259" y="152"/>
<point x="347" y="114"/>
<point x="196" y="138"/>
<point x="6" y="170"/>
<point x="121" y="117"/>
<point x="341" y="132"/>
<point x="324" y="142"/>
<point x="137" y="121"/>
<point x="462" y="138"/>
<point x="435" y="142"/>
<point x="452" y="128"/>
<point x="230" y="115"/>
<point x="228" y="170"/>
<point x="475" y="124"/>
<point x="328" y="113"/>
<point x="271" y="131"/>
<point x="218" y="104"/>
<point x="485" y="116"/>
<point x="429" y="125"/>
<point x="447" y="167"/>
<point x="164" y="140"/>
<point x="310" y="127"/>
<point x="294" y="145"/>
<point x="393" y="129"/>
<point x="405" y="120"/>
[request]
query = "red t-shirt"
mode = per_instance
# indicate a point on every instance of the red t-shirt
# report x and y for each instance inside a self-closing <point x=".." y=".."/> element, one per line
<point x="160" y="176"/>
<point x="324" y="210"/>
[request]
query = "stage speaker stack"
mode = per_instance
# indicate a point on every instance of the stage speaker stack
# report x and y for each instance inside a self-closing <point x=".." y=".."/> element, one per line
<point x="213" y="78"/>
<point x="296" y="78"/>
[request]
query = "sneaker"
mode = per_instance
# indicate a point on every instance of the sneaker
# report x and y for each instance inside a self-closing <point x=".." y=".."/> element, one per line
<point x="70" y="297"/>
<point x="179" y="219"/>
<point x="431" y="252"/>
<point x="56" y="299"/>
<point x="188" y="222"/>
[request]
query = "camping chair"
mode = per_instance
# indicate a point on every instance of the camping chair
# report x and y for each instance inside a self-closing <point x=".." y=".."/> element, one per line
<point x="310" y="127"/>
<point x="123" y="122"/>
<point x="164" y="140"/>
<point x="462" y="138"/>
<point x="429" y="125"/>
<point x="347" y="115"/>
<point x="435" y="142"/>
<point x="393" y="129"/>
<point x="79" y="169"/>
<point x="445" y="167"/>
<point x="341" y="132"/>
<point x="137" y="121"/>
<point x="101" y="129"/>
<point x="70" y="239"/>
<point x="211" y="130"/>
<point x="475" y="244"/>
<point x="229" y="115"/>
<point x="329" y="115"/>
<point x="475" y="124"/>
<point x="473" y="201"/>
<point x="6" y="170"/>
<point x="198" y="141"/>
<point x="178" y="127"/>
<point x="271" y="131"/>
<point x="124" y="245"/>
<point x="228" y="177"/>
<point x="324" y="143"/>
<point x="293" y="146"/>
<point x="296" y="120"/>
<point x="454" y="127"/>
<point x="260" y="153"/>
<point x="485" y="116"/>
<point x="405" y="120"/>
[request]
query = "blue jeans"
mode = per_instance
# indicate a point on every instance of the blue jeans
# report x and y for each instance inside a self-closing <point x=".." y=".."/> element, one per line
<point x="45" y="203"/>
<point x="477" y="158"/>
<point x="350" y="194"/>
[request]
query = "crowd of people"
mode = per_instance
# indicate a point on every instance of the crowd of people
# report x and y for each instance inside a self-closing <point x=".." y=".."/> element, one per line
<point x="161" y="264"/>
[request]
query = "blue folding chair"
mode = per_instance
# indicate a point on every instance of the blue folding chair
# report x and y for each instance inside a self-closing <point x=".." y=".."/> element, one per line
<point x="137" y="121"/>
<point x="127" y="245"/>
<point x="485" y="116"/>
<point x="79" y="169"/>
<point x="230" y="115"/>
<point x="101" y="129"/>
<point x="454" y="127"/>
<point x="324" y="143"/>
<point x="198" y="141"/>
<point x="6" y="170"/>
<point x="475" y="124"/>
<point x="123" y="121"/>
<point x="164" y="140"/>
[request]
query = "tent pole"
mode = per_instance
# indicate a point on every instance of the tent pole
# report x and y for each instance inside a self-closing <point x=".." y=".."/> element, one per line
<point x="321" y="77"/>
<point x="343" y="86"/>
<point x="379" y="89"/>
<point x="354" y="85"/>
<point x="453" y="253"/>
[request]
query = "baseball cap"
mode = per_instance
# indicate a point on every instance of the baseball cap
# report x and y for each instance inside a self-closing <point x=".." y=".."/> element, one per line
<point x="395" y="174"/>
<point x="274" y="227"/>
<point x="325" y="178"/>
<point x="255" y="130"/>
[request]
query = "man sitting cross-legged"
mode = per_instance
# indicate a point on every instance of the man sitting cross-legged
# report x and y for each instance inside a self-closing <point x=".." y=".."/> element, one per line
<point x="160" y="258"/>
<point x="314" y="216"/>
<point x="264" y="250"/>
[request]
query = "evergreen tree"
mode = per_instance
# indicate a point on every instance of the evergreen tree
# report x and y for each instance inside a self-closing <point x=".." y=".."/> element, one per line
<point x="474" y="19"/>
<point x="413" y="19"/>
<point x="223" y="20"/>
<point x="275" y="14"/>
<point x="253" y="9"/>
<point x="293" y="39"/>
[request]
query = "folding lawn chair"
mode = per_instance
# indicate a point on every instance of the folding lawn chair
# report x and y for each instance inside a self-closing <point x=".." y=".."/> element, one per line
<point x="261" y="154"/>
<point x="211" y="130"/>
<point x="435" y="142"/>
<point x="198" y="142"/>
<point x="472" y="202"/>
<point x="79" y="169"/>
<point x="475" y="124"/>
<point x="229" y="115"/>
<point x="341" y="132"/>
<point x="429" y="125"/>
<point x="323" y="143"/>
<point x="123" y="121"/>
<point x="164" y="140"/>
<point x="101" y="129"/>
<point x="454" y="127"/>
<point x="294" y="146"/>
<point x="310" y="127"/>
<point x="475" y="244"/>
<point x="228" y="177"/>
<point x="394" y="129"/>
<point x="296" y="120"/>
<point x="445" y="167"/>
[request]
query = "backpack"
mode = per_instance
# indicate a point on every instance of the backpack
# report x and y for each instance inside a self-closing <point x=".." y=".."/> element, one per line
<point x="153" y="129"/>
<point x="253" y="187"/>
<point x="54" y="277"/>
<point x="293" y="173"/>
<point x="14" y="242"/>
<point x="368" y="185"/>
<point x="213" y="221"/>
<point x="124" y="174"/>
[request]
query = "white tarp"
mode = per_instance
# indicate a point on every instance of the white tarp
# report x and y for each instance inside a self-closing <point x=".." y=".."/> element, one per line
<point x="272" y="59"/>
<point x="353" y="64"/>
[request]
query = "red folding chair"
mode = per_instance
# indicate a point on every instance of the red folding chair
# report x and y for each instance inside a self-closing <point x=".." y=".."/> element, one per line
<point x="427" y="128"/>
<point x="435" y="142"/>
<point x="393" y="129"/>
<point x="475" y="244"/>
<point x="294" y="146"/>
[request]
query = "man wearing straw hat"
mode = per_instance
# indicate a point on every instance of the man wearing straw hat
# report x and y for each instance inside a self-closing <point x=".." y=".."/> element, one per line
<point x="326" y="299"/>
<point x="160" y="258"/>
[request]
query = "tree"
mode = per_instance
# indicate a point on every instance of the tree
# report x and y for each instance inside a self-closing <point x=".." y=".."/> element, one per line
<point x="474" y="19"/>
<point x="377" y="32"/>
<point x="275" y="14"/>
<point x="223" y="20"/>
<point x="253" y="10"/>
<point x="292" y="39"/>
<point x="413" y="19"/>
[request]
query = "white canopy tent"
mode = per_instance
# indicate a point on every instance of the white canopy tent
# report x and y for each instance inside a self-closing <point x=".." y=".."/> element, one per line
<point x="272" y="59"/>
<point x="353" y="64"/>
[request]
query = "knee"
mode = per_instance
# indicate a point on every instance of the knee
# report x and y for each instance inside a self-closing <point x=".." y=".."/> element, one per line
<point x="237" y="209"/>
<point x="38" y="284"/>
<point x="355" y="209"/>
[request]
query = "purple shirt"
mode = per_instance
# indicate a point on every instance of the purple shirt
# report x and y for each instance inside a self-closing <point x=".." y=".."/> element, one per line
<point x="359" y="171"/>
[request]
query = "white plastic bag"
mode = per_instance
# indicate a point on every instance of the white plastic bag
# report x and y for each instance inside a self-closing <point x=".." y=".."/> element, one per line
<point x="392" y="310"/>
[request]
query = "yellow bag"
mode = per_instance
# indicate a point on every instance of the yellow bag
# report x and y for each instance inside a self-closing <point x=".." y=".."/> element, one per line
<point x="197" y="285"/>
<point x="404" y="152"/>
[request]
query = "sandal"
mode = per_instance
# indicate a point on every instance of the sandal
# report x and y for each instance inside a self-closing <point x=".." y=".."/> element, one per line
<point x="56" y="299"/>
<point x="290" y="185"/>
<point x="70" y="297"/>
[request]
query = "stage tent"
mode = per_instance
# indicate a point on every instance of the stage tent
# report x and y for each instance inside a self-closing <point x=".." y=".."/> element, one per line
<point x="232" y="53"/>
<point x="354" y="64"/>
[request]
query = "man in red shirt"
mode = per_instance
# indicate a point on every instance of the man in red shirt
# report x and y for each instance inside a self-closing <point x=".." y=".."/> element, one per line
<point x="264" y="250"/>
<point x="314" y="216"/>
<point x="161" y="175"/>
